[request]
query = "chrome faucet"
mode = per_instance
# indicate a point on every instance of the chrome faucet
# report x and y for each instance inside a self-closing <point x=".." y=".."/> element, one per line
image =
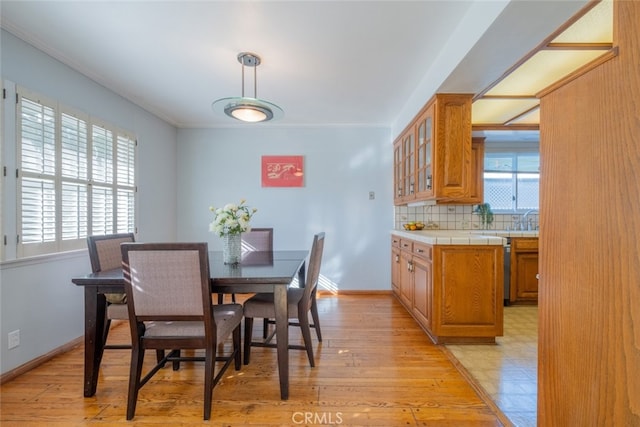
<point x="526" y="222"/>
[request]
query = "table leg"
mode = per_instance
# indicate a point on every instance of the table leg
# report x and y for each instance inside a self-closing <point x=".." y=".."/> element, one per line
<point x="282" y="332"/>
<point x="94" y="324"/>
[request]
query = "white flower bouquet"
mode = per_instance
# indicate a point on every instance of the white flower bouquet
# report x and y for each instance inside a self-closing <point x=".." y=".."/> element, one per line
<point x="231" y="219"/>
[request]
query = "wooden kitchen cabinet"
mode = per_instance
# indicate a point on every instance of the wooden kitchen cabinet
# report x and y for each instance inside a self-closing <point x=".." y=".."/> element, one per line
<point x="395" y="264"/>
<point x="468" y="292"/>
<point x="476" y="191"/>
<point x="454" y="292"/>
<point x="524" y="270"/>
<point x="424" y="130"/>
<point x="398" y="173"/>
<point x="433" y="156"/>
<point x="422" y="307"/>
<point x="406" y="273"/>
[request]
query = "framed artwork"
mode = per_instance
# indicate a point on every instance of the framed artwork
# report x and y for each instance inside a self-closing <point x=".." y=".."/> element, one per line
<point x="282" y="171"/>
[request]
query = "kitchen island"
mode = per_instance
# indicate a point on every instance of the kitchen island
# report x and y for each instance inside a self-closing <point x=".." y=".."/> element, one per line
<point x="451" y="281"/>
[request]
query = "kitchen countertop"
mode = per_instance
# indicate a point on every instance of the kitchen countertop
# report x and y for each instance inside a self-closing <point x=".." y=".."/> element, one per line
<point x="463" y="237"/>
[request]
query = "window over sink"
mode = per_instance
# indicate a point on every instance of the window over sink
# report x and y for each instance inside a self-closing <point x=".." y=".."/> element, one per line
<point x="512" y="180"/>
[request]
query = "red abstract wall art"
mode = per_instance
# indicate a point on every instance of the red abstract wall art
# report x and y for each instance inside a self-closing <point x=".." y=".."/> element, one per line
<point x="282" y="171"/>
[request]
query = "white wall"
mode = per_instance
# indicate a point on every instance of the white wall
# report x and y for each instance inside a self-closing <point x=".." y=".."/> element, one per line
<point x="342" y="165"/>
<point x="36" y="295"/>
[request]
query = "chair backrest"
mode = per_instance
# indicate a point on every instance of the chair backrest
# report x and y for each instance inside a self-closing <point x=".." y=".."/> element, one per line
<point x="104" y="251"/>
<point x="258" y="239"/>
<point x="313" y="271"/>
<point x="167" y="282"/>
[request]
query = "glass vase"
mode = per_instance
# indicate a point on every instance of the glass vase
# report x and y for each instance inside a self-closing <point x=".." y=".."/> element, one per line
<point x="231" y="248"/>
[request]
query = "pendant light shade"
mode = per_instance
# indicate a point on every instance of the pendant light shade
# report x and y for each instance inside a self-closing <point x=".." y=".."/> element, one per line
<point x="248" y="109"/>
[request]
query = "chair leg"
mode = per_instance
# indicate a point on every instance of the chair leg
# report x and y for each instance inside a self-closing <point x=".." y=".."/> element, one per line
<point x="237" y="348"/>
<point x="107" y="326"/>
<point x="316" y="318"/>
<point x="137" y="358"/>
<point x="303" y="318"/>
<point x="265" y="328"/>
<point x="209" y="364"/>
<point x="248" y="336"/>
<point x="220" y="298"/>
<point x="176" y="363"/>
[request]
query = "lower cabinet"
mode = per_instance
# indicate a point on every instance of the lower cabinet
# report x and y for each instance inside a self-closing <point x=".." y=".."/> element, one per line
<point x="422" y="308"/>
<point x="395" y="269"/>
<point x="524" y="270"/>
<point x="454" y="292"/>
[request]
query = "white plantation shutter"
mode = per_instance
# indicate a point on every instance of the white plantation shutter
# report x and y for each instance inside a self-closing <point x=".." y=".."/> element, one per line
<point x="37" y="131"/>
<point x="125" y="173"/>
<point x="38" y="211"/>
<point x="73" y="171"/>
<point x="75" y="178"/>
<point x="126" y="210"/>
<point x="102" y="159"/>
<point x="125" y="161"/>
<point x="102" y="210"/>
<point x="37" y="163"/>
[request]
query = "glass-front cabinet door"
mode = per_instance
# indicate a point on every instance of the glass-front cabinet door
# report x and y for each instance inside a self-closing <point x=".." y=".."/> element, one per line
<point x="398" y="175"/>
<point x="408" y="166"/>
<point x="425" y="144"/>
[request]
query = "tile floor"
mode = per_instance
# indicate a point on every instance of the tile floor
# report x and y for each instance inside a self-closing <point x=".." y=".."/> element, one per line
<point x="508" y="370"/>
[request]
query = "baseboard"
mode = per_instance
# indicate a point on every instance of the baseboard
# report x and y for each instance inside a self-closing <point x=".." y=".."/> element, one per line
<point x="14" y="373"/>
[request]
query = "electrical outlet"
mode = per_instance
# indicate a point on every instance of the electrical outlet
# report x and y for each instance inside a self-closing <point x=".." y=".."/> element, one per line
<point x="14" y="339"/>
<point x="372" y="195"/>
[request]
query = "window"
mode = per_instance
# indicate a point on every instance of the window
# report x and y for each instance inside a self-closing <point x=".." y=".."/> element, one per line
<point x="511" y="181"/>
<point x="76" y="177"/>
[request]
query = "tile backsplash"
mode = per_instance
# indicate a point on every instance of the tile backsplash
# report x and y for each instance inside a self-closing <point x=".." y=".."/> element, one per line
<point x="458" y="217"/>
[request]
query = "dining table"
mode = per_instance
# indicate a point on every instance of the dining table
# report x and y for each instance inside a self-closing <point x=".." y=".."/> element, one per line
<point x="257" y="272"/>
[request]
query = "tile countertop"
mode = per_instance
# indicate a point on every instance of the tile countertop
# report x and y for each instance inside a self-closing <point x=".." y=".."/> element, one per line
<point x="463" y="237"/>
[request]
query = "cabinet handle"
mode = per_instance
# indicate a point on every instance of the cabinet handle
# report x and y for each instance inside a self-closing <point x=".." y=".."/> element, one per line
<point x="429" y="179"/>
<point x="397" y="258"/>
<point x="419" y="251"/>
<point x="411" y="189"/>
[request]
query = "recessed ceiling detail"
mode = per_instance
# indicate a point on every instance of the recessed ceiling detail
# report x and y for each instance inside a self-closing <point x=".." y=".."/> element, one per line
<point x="511" y="101"/>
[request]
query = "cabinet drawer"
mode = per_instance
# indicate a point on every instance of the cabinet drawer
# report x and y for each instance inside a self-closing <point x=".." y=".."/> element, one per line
<point x="519" y="244"/>
<point x="422" y="250"/>
<point x="395" y="241"/>
<point x="406" y="245"/>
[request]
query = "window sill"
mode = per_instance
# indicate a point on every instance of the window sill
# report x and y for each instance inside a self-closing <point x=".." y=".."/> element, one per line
<point x="41" y="259"/>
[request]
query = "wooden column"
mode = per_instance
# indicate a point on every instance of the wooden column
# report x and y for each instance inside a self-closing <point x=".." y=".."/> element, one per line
<point x="589" y="289"/>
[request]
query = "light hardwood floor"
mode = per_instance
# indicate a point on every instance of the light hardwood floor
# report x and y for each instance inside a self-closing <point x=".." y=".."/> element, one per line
<point x="375" y="367"/>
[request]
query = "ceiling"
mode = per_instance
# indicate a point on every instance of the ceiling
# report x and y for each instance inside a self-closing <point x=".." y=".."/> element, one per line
<point x="323" y="62"/>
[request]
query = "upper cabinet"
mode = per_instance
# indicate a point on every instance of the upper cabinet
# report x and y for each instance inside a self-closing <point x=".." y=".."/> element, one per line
<point x="434" y="159"/>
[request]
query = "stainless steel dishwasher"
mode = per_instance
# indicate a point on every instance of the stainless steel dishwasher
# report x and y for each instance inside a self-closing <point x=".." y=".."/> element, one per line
<point x="507" y="271"/>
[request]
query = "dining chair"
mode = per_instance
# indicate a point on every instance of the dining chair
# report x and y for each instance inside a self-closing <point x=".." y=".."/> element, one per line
<point x="299" y="303"/>
<point x="257" y="239"/>
<point x="169" y="301"/>
<point x="104" y="254"/>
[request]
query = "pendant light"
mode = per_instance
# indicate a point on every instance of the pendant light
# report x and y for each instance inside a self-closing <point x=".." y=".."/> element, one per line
<point x="248" y="109"/>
